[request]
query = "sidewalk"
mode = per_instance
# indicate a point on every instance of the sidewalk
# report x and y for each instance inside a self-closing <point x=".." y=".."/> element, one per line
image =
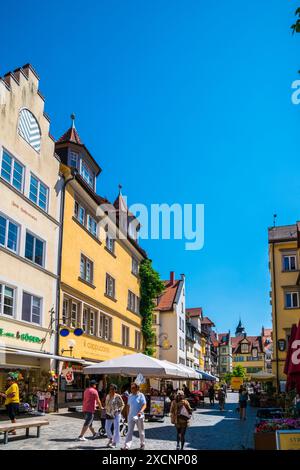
<point x="210" y="429"/>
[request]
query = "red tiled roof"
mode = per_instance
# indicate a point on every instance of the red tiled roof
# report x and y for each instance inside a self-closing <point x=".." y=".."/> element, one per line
<point x="254" y="341"/>
<point x="71" y="136"/>
<point x="207" y="321"/>
<point x="194" y="312"/>
<point x="221" y="336"/>
<point x="166" y="300"/>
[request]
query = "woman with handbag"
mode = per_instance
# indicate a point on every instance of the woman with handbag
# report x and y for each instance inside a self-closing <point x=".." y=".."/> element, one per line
<point x="181" y="413"/>
<point x="113" y="407"/>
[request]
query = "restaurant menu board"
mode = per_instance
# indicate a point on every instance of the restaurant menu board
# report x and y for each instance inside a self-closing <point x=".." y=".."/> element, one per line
<point x="288" y="440"/>
<point x="157" y="406"/>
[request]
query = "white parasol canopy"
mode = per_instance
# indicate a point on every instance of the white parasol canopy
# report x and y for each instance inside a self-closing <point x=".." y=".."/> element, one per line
<point x="134" y="364"/>
<point x="261" y="375"/>
<point x="191" y="373"/>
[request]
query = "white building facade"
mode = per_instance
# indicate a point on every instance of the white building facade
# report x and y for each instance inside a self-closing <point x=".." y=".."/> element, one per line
<point x="29" y="231"/>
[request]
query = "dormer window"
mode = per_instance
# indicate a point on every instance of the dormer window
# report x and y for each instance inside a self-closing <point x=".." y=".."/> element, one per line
<point x="244" y="348"/>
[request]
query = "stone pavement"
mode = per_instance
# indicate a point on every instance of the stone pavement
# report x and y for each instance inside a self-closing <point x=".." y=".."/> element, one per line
<point x="210" y="429"/>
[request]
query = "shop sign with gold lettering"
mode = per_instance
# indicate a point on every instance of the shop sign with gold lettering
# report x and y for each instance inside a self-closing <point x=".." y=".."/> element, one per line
<point x="288" y="440"/>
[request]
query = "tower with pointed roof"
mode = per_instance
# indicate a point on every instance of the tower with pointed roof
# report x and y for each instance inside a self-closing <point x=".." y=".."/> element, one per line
<point x="73" y="153"/>
<point x="128" y="223"/>
<point x="240" y="329"/>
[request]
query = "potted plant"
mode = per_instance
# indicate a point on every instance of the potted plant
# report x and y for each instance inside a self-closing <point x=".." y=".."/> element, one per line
<point x="265" y="432"/>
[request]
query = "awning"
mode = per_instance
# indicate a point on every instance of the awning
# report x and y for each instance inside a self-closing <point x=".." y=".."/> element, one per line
<point x="207" y="376"/>
<point x="41" y="355"/>
<point x="133" y="364"/>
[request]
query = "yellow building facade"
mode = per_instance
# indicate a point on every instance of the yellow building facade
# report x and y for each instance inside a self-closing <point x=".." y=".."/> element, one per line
<point x="285" y="292"/>
<point x="247" y="351"/>
<point x="100" y="286"/>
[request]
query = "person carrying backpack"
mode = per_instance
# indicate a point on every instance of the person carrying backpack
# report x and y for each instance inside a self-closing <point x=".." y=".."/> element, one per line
<point x="181" y="413"/>
<point x="221" y="398"/>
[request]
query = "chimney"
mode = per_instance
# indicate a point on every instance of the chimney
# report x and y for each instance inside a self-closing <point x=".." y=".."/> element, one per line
<point x="172" y="277"/>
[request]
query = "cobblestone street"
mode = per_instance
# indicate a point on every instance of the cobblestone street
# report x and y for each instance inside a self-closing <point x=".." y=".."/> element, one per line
<point x="210" y="429"/>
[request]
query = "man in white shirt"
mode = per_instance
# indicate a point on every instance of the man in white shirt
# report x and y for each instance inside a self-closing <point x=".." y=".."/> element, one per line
<point x="137" y="404"/>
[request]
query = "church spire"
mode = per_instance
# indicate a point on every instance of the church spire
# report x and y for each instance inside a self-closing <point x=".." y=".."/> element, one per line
<point x="240" y="329"/>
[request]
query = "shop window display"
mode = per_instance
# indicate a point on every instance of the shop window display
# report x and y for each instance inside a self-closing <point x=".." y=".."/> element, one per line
<point x="33" y="384"/>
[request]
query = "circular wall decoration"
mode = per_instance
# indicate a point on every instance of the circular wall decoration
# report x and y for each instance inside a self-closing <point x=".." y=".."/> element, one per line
<point x="64" y="332"/>
<point x="29" y="129"/>
<point x="78" y="331"/>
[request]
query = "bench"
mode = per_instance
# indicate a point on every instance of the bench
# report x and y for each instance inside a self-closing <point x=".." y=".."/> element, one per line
<point x="7" y="426"/>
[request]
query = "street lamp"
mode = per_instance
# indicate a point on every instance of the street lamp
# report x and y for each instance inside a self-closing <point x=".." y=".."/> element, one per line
<point x="71" y="344"/>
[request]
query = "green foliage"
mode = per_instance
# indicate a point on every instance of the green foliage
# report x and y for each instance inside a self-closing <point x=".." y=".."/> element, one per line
<point x="239" y="371"/>
<point x="151" y="288"/>
<point x="227" y="377"/>
<point x="296" y="26"/>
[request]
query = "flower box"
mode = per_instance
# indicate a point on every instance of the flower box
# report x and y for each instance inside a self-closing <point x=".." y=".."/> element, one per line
<point x="265" y="441"/>
<point x="265" y="432"/>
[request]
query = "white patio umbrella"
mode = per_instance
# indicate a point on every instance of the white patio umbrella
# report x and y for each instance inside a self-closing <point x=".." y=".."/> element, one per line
<point x="191" y="373"/>
<point x="133" y="364"/>
<point x="261" y="375"/>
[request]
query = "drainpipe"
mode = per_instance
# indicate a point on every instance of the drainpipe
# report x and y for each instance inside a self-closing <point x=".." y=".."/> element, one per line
<point x="275" y="316"/>
<point x="60" y="243"/>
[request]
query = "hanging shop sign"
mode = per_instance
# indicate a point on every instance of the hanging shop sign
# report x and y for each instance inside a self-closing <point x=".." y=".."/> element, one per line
<point x="65" y="332"/>
<point x="68" y="375"/>
<point x="281" y="344"/>
<point x="21" y="336"/>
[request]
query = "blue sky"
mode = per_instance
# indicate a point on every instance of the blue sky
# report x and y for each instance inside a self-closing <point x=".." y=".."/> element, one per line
<point x="181" y="102"/>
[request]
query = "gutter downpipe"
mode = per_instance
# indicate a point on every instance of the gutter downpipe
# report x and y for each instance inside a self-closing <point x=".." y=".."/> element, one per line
<point x="62" y="210"/>
<point x="275" y="316"/>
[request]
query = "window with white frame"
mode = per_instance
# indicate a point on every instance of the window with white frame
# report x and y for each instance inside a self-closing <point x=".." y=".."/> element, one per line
<point x="137" y="340"/>
<point x="135" y="266"/>
<point x="85" y="320"/>
<point x="12" y="171"/>
<point x="289" y="262"/>
<point x="133" y="302"/>
<point x="31" y="308"/>
<point x="74" y="315"/>
<point x="88" y="221"/>
<point x="9" y="233"/>
<point x="88" y="321"/>
<point x="292" y="300"/>
<point x="65" y="312"/>
<point x="86" y="269"/>
<point x="34" y="249"/>
<point x="79" y="213"/>
<point x="7" y="300"/>
<point x="73" y="159"/>
<point x="244" y="348"/>
<point x="38" y="193"/>
<point x="110" y="243"/>
<point x="105" y="327"/>
<point x="110" y="286"/>
<point x="92" y="225"/>
<point x="87" y="174"/>
<point x="125" y="335"/>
